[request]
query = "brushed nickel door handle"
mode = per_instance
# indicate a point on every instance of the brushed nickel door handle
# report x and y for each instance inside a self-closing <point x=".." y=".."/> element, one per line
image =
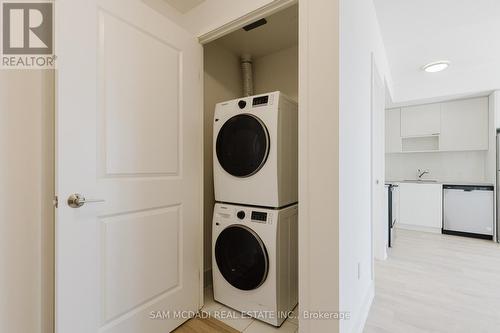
<point x="77" y="200"/>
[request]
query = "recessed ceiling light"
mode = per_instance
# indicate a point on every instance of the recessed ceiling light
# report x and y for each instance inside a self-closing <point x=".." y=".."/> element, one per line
<point x="437" y="66"/>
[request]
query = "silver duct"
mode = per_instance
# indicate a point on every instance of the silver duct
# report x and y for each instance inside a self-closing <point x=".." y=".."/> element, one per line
<point x="247" y="74"/>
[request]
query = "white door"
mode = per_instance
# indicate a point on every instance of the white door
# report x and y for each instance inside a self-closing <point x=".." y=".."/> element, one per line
<point x="129" y="131"/>
<point x="379" y="222"/>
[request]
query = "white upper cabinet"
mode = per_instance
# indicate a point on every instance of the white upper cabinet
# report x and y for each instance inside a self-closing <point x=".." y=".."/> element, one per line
<point x="449" y="126"/>
<point x="393" y="131"/>
<point x="464" y="125"/>
<point x="422" y="120"/>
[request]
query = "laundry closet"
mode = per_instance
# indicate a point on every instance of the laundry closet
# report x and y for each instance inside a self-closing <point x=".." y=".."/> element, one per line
<point x="252" y="72"/>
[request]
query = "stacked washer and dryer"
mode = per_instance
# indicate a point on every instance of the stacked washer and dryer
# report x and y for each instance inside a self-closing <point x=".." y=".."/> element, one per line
<point x="255" y="223"/>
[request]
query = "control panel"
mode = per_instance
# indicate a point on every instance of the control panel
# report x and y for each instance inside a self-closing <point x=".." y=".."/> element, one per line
<point x="260" y="217"/>
<point x="262" y="100"/>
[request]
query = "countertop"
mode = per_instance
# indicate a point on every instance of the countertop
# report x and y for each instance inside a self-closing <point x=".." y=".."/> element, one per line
<point x="440" y="182"/>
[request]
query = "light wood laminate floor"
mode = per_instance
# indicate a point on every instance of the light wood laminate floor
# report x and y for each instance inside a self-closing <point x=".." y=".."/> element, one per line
<point x="437" y="283"/>
<point x="205" y="325"/>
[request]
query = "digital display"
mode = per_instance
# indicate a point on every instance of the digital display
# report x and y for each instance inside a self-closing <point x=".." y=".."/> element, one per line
<point x="260" y="100"/>
<point x="259" y="216"/>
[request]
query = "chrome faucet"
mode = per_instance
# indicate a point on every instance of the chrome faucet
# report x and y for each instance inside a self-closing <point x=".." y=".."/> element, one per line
<point x="421" y="173"/>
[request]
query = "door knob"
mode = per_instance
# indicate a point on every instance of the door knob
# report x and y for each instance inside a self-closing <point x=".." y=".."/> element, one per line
<point x="77" y="200"/>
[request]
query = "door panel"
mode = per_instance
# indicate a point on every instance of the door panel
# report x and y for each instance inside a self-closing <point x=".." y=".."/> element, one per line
<point x="146" y="116"/>
<point x="129" y="132"/>
<point x="133" y="245"/>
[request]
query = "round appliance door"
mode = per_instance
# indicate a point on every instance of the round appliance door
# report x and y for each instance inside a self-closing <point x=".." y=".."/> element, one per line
<point x="241" y="257"/>
<point x="242" y="145"/>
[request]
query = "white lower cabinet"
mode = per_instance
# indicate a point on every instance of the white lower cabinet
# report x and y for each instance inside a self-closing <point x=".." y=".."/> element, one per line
<point x="421" y="207"/>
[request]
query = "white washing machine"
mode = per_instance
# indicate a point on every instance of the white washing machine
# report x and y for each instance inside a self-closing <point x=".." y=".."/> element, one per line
<point x="255" y="260"/>
<point x="256" y="151"/>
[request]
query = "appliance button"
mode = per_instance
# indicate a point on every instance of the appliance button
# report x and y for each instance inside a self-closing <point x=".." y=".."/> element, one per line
<point x="242" y="104"/>
<point x="241" y="215"/>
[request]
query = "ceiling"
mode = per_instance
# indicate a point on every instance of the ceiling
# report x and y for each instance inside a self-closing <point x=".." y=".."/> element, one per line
<point x="280" y="32"/>
<point x="184" y="6"/>
<point x="417" y="32"/>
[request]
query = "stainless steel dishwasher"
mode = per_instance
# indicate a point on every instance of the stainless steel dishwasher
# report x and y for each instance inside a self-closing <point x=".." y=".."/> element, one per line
<point x="468" y="211"/>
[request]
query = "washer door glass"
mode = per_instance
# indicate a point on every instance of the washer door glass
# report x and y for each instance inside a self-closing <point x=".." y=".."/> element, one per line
<point x="242" y="145"/>
<point x="241" y="257"/>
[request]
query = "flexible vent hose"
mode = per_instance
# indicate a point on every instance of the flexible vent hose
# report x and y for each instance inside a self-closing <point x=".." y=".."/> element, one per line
<point x="247" y="74"/>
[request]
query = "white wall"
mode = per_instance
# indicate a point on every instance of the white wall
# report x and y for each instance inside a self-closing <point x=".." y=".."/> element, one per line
<point x="222" y="82"/>
<point x="445" y="166"/>
<point x="26" y="193"/>
<point x="278" y="71"/>
<point x="360" y="36"/>
<point x="319" y="162"/>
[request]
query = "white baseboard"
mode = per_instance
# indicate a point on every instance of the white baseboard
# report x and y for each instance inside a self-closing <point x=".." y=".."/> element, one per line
<point x="418" y="228"/>
<point x="364" y="311"/>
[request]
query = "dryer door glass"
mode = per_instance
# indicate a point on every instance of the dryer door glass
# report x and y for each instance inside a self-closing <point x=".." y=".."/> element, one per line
<point x="242" y="145"/>
<point x="241" y="257"/>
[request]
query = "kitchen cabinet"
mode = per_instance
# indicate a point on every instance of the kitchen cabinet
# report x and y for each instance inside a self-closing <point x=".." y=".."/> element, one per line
<point x="393" y="131"/>
<point x="421" y="120"/>
<point x="464" y="125"/>
<point x="460" y="125"/>
<point x="420" y="206"/>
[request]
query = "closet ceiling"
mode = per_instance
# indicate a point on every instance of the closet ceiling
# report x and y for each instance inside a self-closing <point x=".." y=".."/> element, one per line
<point x="280" y="32"/>
<point x="184" y="6"/>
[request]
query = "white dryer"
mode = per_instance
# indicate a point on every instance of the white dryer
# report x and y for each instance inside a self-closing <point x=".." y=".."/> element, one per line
<point x="255" y="260"/>
<point x="256" y="151"/>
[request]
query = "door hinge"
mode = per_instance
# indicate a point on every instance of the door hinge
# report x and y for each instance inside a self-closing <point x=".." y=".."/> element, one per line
<point x="55" y="201"/>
